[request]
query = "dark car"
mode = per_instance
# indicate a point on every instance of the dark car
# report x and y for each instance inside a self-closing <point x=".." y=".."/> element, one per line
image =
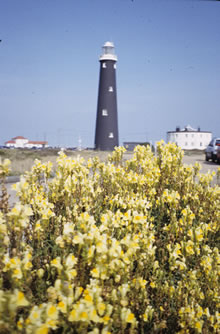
<point x="218" y="154"/>
<point x="211" y="149"/>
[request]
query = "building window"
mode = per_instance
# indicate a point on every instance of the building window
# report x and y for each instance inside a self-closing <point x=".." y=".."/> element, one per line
<point x="114" y="66"/>
<point x="110" y="89"/>
<point x="192" y="144"/>
<point x="111" y="135"/>
<point x="192" y="135"/>
<point x="176" y="135"/>
<point x="104" y="112"/>
<point x="103" y="65"/>
<point x="186" y="135"/>
<point x="200" y="144"/>
<point x="186" y="143"/>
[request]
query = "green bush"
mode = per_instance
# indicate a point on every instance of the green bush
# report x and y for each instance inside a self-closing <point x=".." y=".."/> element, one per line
<point x="117" y="247"/>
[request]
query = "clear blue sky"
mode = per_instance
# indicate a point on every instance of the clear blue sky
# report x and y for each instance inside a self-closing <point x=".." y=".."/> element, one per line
<point x="168" y="70"/>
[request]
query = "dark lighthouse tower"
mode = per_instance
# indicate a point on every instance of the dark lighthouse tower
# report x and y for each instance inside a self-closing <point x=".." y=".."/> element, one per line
<point x="106" y="134"/>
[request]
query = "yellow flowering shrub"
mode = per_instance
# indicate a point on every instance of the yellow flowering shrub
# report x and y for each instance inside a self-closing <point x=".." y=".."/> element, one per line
<point x="123" y="246"/>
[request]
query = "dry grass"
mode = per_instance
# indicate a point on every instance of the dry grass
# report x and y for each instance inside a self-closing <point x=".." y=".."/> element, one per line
<point x="23" y="160"/>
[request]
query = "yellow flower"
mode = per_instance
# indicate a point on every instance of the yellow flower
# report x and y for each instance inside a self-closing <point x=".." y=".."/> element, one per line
<point x="28" y="265"/>
<point x="91" y="251"/>
<point x="198" y="234"/>
<point x="198" y="325"/>
<point x="14" y="262"/>
<point x="42" y="330"/>
<point x="72" y="316"/>
<point x="190" y="234"/>
<point x="176" y="252"/>
<point x="206" y="312"/>
<point x="189" y="247"/>
<point x="52" y="311"/>
<point x="101" y="308"/>
<point x="184" y="212"/>
<point x="20" y="323"/>
<point x="83" y="316"/>
<point x="51" y="323"/>
<point x="60" y="242"/>
<point x="101" y="247"/>
<point x="56" y="263"/>
<point x="88" y="298"/>
<point x="78" y="292"/>
<point x="78" y="239"/>
<point x="106" y="319"/>
<point x="38" y="227"/>
<point x="17" y="273"/>
<point x="95" y="272"/>
<point x="199" y="311"/>
<point x="20" y="299"/>
<point x="145" y="317"/>
<point x="71" y="273"/>
<point x="153" y="285"/>
<point x="62" y="306"/>
<point x="68" y="228"/>
<point x="35" y="315"/>
<point x="94" y="316"/>
<point x="130" y="318"/>
<point x="70" y="261"/>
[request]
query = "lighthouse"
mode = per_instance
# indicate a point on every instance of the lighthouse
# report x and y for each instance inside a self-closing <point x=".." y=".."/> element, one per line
<point x="106" y="133"/>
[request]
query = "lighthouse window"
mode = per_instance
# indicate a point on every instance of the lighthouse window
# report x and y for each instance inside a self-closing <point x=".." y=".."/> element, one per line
<point x="110" y="89"/>
<point x="111" y="135"/>
<point x="104" y="112"/>
<point x="104" y="65"/>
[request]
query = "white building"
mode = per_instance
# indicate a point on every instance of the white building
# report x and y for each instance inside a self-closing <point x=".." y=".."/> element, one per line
<point x="189" y="138"/>
<point x="21" y="142"/>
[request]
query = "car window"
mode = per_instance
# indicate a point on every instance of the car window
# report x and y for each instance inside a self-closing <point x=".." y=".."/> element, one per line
<point x="211" y="142"/>
<point x="217" y="142"/>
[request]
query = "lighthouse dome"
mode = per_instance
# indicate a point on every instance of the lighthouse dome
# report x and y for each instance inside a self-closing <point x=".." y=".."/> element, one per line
<point x="108" y="52"/>
<point x="107" y="44"/>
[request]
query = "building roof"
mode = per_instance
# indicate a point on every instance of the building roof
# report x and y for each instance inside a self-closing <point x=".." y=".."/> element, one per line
<point x="188" y="128"/>
<point x="135" y="142"/>
<point x="33" y="142"/>
<point x="18" y="137"/>
<point x="37" y="142"/>
<point x="181" y="131"/>
<point x="10" y="142"/>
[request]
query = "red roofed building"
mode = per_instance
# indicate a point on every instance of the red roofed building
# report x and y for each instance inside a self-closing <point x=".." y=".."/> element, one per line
<point x="22" y="142"/>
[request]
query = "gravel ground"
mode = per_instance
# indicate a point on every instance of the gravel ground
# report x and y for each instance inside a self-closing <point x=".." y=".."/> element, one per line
<point x="188" y="159"/>
<point x="206" y="165"/>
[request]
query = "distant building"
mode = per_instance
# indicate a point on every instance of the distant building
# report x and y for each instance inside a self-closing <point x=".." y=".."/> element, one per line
<point x="21" y="142"/>
<point x="130" y="145"/>
<point x="189" y="138"/>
